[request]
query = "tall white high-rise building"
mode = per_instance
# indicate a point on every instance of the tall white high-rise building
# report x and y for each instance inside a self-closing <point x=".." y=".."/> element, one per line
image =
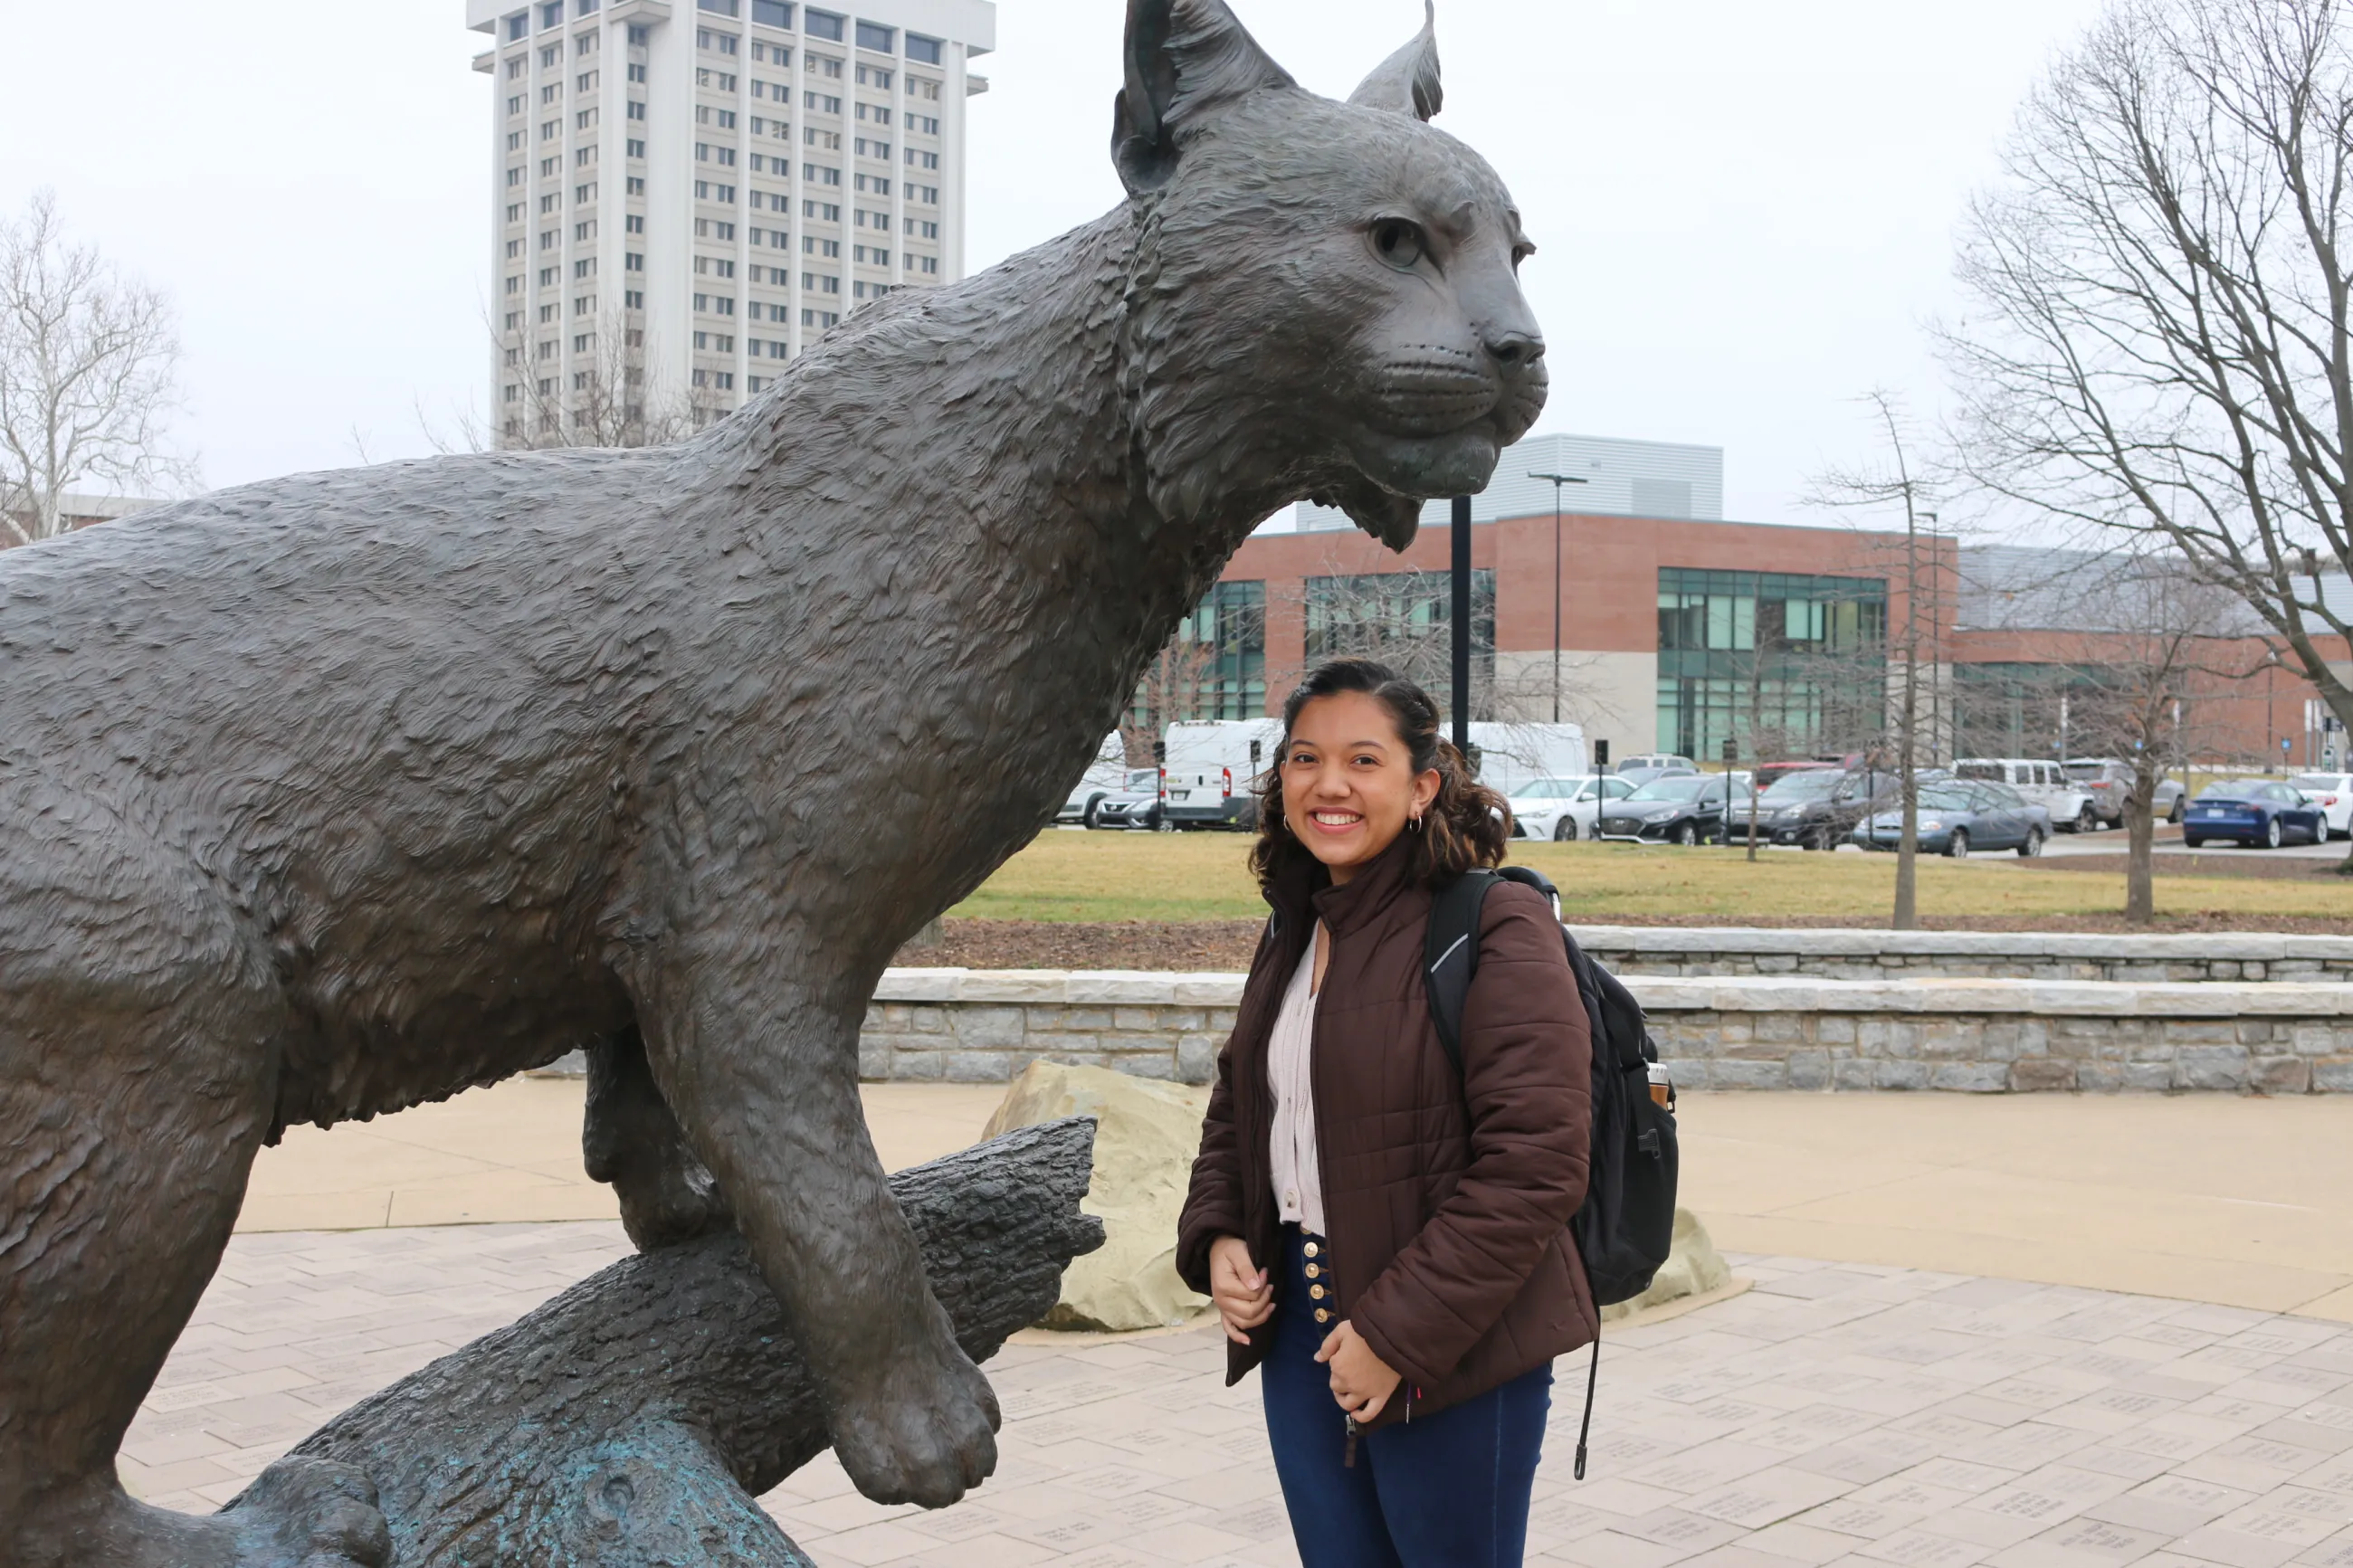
<point x="686" y="193"/>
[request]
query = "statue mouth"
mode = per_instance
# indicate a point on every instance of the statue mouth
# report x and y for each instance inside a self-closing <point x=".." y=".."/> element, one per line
<point x="1456" y="461"/>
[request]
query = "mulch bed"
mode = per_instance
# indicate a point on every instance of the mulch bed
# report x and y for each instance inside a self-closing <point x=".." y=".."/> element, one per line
<point x="2202" y="863"/>
<point x="1226" y="946"/>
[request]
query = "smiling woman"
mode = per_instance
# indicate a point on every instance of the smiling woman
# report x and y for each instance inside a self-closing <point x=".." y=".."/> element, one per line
<point x="1383" y="1232"/>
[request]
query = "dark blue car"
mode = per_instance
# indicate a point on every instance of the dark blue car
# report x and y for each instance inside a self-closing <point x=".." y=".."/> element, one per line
<point x="2252" y="811"/>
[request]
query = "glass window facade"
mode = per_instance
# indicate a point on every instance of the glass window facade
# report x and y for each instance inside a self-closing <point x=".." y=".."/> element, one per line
<point x="1405" y="619"/>
<point x="1214" y="667"/>
<point x="1774" y="663"/>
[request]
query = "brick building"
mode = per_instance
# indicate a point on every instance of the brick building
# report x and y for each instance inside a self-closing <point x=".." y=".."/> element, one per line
<point x="1679" y="630"/>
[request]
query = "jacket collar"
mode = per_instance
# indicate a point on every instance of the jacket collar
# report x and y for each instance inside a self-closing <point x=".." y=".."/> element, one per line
<point x="1305" y="893"/>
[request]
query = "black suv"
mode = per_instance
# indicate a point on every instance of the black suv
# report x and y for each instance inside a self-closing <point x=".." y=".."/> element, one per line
<point x="1818" y="810"/>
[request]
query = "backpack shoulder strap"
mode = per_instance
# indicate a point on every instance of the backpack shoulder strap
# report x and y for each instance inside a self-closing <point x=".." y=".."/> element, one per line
<point x="1451" y="956"/>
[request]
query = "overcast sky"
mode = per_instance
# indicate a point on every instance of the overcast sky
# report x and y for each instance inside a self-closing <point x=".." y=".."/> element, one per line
<point x="1743" y="212"/>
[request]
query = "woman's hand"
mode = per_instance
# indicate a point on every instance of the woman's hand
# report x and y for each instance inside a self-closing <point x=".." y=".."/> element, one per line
<point x="1361" y="1381"/>
<point x="1243" y="1294"/>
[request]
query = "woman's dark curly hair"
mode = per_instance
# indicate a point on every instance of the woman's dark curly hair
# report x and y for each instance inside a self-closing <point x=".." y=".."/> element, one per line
<point x="1467" y="825"/>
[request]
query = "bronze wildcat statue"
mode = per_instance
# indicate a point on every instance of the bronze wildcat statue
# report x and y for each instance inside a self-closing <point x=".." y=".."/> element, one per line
<point x="326" y="796"/>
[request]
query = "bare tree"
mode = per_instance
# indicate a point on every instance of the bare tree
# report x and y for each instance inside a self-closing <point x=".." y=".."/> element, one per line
<point x="2163" y="343"/>
<point x="1894" y="483"/>
<point x="589" y="385"/>
<point x="88" y="359"/>
<point x="1179" y="684"/>
<point x="2155" y="642"/>
<point x="1404" y="619"/>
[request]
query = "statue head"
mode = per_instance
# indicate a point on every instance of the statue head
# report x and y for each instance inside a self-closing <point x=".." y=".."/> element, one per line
<point x="1325" y="296"/>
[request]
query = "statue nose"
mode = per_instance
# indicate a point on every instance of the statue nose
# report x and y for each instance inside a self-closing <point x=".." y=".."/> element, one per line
<point x="1514" y="351"/>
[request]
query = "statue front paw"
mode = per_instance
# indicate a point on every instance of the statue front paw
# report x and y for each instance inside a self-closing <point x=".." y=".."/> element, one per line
<point x="923" y="1431"/>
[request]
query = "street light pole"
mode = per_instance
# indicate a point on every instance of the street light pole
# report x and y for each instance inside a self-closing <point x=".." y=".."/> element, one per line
<point x="1558" y="481"/>
<point x="2270" y="728"/>
<point x="1461" y="627"/>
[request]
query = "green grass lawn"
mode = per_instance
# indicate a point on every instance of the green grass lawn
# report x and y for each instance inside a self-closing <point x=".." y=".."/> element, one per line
<point x="1069" y="875"/>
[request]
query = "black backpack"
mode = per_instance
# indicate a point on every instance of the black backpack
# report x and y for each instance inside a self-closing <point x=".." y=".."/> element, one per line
<point x="1626" y="1227"/>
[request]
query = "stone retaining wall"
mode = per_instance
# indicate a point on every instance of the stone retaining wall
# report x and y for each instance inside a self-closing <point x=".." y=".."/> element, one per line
<point x="1742" y="1032"/>
<point x="2004" y="955"/>
<point x="978" y="1026"/>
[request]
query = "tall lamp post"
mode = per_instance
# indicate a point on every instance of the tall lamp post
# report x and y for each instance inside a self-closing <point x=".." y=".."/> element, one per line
<point x="1461" y="627"/>
<point x="1558" y="481"/>
<point x="2272" y="664"/>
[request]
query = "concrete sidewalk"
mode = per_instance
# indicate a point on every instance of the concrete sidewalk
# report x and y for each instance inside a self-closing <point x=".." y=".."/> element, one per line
<point x="1835" y="1415"/>
<point x="2241" y="1201"/>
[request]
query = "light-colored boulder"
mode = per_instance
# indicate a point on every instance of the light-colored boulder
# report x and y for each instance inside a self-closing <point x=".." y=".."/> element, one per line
<point x="1694" y="1268"/>
<point x="1146" y="1134"/>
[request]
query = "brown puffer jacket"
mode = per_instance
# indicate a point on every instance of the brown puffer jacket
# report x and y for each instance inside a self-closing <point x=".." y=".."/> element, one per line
<point x="1450" y="1240"/>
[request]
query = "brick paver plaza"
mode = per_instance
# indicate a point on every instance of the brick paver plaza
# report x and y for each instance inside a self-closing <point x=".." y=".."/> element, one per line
<point x="1835" y="1412"/>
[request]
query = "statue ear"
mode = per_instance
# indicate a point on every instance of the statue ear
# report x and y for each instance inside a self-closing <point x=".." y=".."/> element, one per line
<point x="1407" y="82"/>
<point x="1185" y="58"/>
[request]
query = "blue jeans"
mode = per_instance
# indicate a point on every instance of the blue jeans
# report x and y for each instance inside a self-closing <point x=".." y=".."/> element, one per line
<point x="1448" y="1491"/>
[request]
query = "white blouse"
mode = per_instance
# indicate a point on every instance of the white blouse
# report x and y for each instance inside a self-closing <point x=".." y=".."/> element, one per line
<point x="1298" y="1176"/>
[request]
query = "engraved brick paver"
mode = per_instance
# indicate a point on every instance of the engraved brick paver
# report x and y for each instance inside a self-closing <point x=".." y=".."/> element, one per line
<point x="1836" y="1415"/>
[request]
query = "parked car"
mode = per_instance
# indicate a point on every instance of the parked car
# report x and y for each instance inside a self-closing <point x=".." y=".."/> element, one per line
<point x="1105" y="776"/>
<point x="1137" y="806"/>
<point x="1209" y="774"/>
<point x="1564" y="810"/>
<point x="1657" y="763"/>
<point x="1771" y="773"/>
<point x="2253" y="812"/>
<point x="1960" y="817"/>
<point x="2072" y="806"/>
<point x="1817" y="808"/>
<point x="2333" y="793"/>
<point x="2111" y="783"/>
<point x="1678" y="808"/>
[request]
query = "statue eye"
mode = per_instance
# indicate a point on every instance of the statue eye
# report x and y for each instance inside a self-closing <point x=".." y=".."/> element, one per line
<point x="1401" y="243"/>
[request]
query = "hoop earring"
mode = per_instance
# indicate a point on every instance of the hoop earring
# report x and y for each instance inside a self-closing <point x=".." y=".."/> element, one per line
<point x="1414" y="823"/>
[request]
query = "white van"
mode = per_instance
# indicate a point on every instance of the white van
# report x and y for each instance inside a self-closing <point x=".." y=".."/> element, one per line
<point x="1209" y="770"/>
<point x="1105" y="777"/>
<point x="2073" y="807"/>
<point x="1514" y="756"/>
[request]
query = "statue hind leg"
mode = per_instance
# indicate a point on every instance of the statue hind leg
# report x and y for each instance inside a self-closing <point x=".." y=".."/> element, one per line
<point x="138" y="1063"/>
<point x="631" y="1141"/>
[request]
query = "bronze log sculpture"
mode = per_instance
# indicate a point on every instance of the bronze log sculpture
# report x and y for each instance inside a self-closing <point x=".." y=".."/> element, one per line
<point x="631" y="1421"/>
<point x="331" y="795"/>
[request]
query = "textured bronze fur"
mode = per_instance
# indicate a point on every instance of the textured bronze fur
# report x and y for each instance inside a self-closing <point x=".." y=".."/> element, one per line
<point x="330" y="795"/>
